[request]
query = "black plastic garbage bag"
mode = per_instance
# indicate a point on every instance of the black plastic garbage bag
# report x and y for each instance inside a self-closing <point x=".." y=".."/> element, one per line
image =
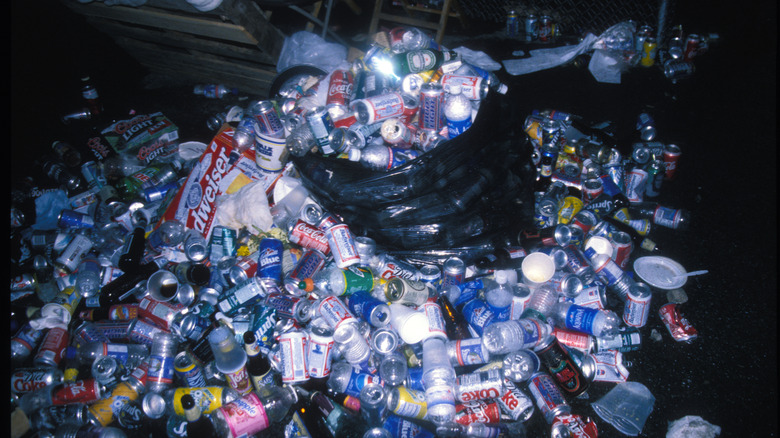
<point x="467" y="193"/>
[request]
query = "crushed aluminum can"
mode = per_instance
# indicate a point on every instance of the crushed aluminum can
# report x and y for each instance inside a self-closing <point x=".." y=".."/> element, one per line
<point x="676" y="323"/>
<point x="573" y="426"/>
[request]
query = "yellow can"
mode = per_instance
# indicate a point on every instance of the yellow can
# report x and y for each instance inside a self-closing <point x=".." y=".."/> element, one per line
<point x="407" y="402"/>
<point x="571" y="206"/>
<point x="105" y="409"/>
<point x="649" y="50"/>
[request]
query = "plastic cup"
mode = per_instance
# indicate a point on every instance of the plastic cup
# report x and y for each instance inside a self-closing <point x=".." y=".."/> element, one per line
<point x="537" y="268"/>
<point x="410" y="324"/>
<point x="626" y="407"/>
<point x="162" y="285"/>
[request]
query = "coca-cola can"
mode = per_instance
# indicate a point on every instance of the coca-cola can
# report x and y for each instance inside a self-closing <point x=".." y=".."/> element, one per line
<point x="671" y="155"/>
<point x="339" y="87"/>
<point x="573" y="426"/>
<point x="515" y="403"/>
<point x="309" y="236"/>
<point x="292" y="356"/>
<point x="479" y="385"/>
<point x="477" y="411"/>
<point x="80" y="391"/>
<point x="676" y="323"/>
<point x="30" y="379"/>
<point x="53" y="348"/>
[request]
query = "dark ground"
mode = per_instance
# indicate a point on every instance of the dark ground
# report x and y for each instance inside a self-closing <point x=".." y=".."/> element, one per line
<point x="724" y="119"/>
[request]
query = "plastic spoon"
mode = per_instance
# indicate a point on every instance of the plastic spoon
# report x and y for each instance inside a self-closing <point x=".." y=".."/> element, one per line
<point x="691" y="274"/>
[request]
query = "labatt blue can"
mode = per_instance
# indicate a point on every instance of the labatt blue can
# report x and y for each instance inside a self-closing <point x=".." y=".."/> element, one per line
<point x="363" y="304"/>
<point x="269" y="260"/>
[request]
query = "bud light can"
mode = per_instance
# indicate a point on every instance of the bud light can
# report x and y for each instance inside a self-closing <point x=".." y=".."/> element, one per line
<point x="549" y="398"/>
<point x="267" y="118"/>
<point x="431" y="116"/>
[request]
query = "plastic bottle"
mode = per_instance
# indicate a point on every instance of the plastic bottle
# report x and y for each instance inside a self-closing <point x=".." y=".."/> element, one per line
<point x="393" y="369"/>
<point x="439" y="381"/>
<point x="382" y="158"/>
<point x="345" y="378"/>
<point x="214" y="91"/>
<point x="542" y="303"/>
<point x="499" y="296"/>
<point x="594" y="322"/>
<point x="88" y="276"/>
<point x="230" y="359"/>
<point x="169" y="234"/>
<point x="67" y="153"/>
<point x="457" y="111"/>
<point x="508" y="336"/>
<point x="677" y="219"/>
<point x="161" y="357"/>
<point x="131" y="355"/>
<point x="253" y="412"/>
<point x="300" y="141"/>
<point x="243" y="138"/>
<point x="335" y="281"/>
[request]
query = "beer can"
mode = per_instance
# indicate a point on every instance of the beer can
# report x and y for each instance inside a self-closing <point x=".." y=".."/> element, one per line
<point x="142" y="332"/>
<point x="548" y="397"/>
<point x="378" y="108"/>
<point x="244" y="269"/>
<point x="401" y="290"/>
<point x="453" y="272"/>
<point x="335" y="312"/>
<point x="645" y="124"/>
<point x="290" y="307"/>
<point x="74" y="220"/>
<point x="71" y="256"/>
<point x="671" y="155"/>
<point x="531" y="30"/>
<point x="292" y="352"/>
<point x="267" y="118"/>
<point x="609" y="367"/>
<point x="342" y="246"/>
<point x="53" y="348"/>
<point x="319" y="355"/>
<point x="321" y="124"/>
<point x="362" y="303"/>
<point x="512" y="24"/>
<point x="636" y="181"/>
<point x="520" y="300"/>
<point x="622" y="247"/>
<point x="477" y="411"/>
<point x="593" y="295"/>
<point x="310" y="263"/>
<point x="269" y="261"/>
<point x="479" y="385"/>
<point x="411" y="106"/>
<point x="637" y="308"/>
<point x="478" y="315"/>
<point x="25" y="380"/>
<point x="628" y="339"/>
<point x="407" y="402"/>
<point x="676" y="323"/>
<point x="397" y="134"/>
<point x="566" y="284"/>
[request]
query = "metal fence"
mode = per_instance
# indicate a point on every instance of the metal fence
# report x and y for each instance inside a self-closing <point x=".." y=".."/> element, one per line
<point x="573" y="16"/>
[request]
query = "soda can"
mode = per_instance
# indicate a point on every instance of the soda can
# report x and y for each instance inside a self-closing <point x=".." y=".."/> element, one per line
<point x="649" y="50"/>
<point x="339" y="87"/>
<point x="545" y="28"/>
<point x="81" y="391"/>
<point x="319" y="355"/>
<point x="108" y="371"/>
<point x="571" y="206"/>
<point x="378" y="108"/>
<point x="636" y="180"/>
<point x="515" y="403"/>
<point x="431" y="104"/>
<point x="159" y="313"/>
<point x="407" y="402"/>
<point x="591" y="189"/>
<point x="463" y="352"/>
<point x="401" y="290"/>
<point x="292" y="353"/>
<point x="676" y="323"/>
<point x="102" y="412"/>
<point x="187" y="370"/>
<point x="342" y="246"/>
<point x="512" y="24"/>
<point x="244" y="269"/>
<point x="574" y="339"/>
<point x="25" y="380"/>
<point x="142" y="332"/>
<point x="569" y="425"/>
<point x="531" y="30"/>
<point x="692" y="43"/>
<point x="310" y="237"/>
<point x="267" y="118"/>
<point x="321" y="124"/>
<point x="453" y="272"/>
<point x="53" y="348"/>
<point x="622" y="248"/>
<point x="391" y="267"/>
<point x="71" y="256"/>
<point x="548" y="397"/>
<point x="477" y="411"/>
<point x="646" y="126"/>
<point x="74" y="220"/>
<point x="479" y="385"/>
<point x="671" y="155"/>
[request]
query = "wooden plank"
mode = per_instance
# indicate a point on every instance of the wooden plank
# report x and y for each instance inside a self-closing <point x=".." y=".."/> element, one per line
<point x="409" y="21"/>
<point x="431" y="11"/>
<point x="147" y="16"/>
<point x="248" y="15"/>
<point x="178" y="40"/>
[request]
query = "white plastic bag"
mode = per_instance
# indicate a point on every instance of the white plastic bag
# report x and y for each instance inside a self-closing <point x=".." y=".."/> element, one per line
<point x="247" y="207"/>
<point x="310" y="49"/>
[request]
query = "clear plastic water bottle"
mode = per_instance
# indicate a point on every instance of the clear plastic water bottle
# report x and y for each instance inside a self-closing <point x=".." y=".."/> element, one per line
<point x="88" y="276"/>
<point x="168" y="234"/>
<point x="594" y="322"/>
<point x="457" y="111"/>
<point x="161" y="359"/>
<point x="439" y="381"/>
<point x="131" y="355"/>
<point x="542" y="303"/>
<point x="393" y="369"/>
<point x="300" y="141"/>
<point x="499" y="296"/>
<point x="214" y="91"/>
<point x="243" y="137"/>
<point x="508" y="336"/>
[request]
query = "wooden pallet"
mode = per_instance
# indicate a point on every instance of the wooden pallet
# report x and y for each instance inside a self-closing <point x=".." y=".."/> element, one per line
<point x="234" y="44"/>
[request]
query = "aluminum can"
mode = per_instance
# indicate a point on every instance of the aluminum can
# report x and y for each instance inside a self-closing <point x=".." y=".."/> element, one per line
<point x="143" y="332"/>
<point x="71" y="256"/>
<point x="609" y="367"/>
<point x="23" y="282"/>
<point x="407" y="402"/>
<point x="108" y="371"/>
<point x="571" y="206"/>
<point x="267" y="118"/>
<point x="649" y="49"/>
<point x="591" y="189"/>
<point x="321" y="124"/>
<point x="512" y="24"/>
<point x="372" y="310"/>
<point x="515" y="403"/>
<point x="290" y="307"/>
<point x="430" y="274"/>
<point x="269" y="261"/>
<point x="692" y="44"/>
<point x="477" y="411"/>
<point x="102" y="412"/>
<point x="309" y="236"/>
<point x="463" y="352"/>
<point x="479" y="385"/>
<point x="80" y="391"/>
<point x="574" y="339"/>
<point x="187" y="370"/>
<point x="622" y="248"/>
<point x="531" y="29"/>
<point x="624" y="341"/>
<point x="676" y="323"/>
<point x="573" y="426"/>
<point x="566" y="284"/>
<point x="292" y="352"/>
<point x="548" y="397"/>
<point x="637" y="308"/>
<point x="319" y="355"/>
<point x="335" y="312"/>
<point x="676" y="69"/>
<point x="53" y="348"/>
<point x="671" y="155"/>
<point x="342" y="246"/>
<point x="159" y="313"/>
<point x="655" y="178"/>
<point x="310" y="263"/>
<point x="431" y="115"/>
<point x="379" y="108"/>
<point x="646" y="126"/>
<point x="561" y="367"/>
<point x="401" y="290"/>
<point x="636" y="181"/>
<point x="520" y="300"/>
<point x="545" y="28"/>
<point x="222" y="244"/>
<point x="392" y="267"/>
<point x="453" y="272"/>
<point x="30" y="379"/>
<point x="397" y="134"/>
<point x="74" y="220"/>
<point x="339" y="87"/>
<point x="244" y="269"/>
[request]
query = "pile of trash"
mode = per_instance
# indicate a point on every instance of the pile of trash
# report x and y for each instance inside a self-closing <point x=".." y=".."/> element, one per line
<point x="368" y="253"/>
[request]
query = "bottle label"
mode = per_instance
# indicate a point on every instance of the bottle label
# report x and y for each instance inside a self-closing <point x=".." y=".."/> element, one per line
<point x="411" y="403"/>
<point x="457" y="127"/>
<point x="239" y="380"/>
<point x="666" y="217"/>
<point x="420" y="60"/>
<point x="358" y="380"/>
<point x="246" y="416"/>
<point x="118" y="351"/>
<point x="357" y="279"/>
<point x="581" y="318"/>
<point x="470" y="352"/>
<point x="435" y="319"/>
<point x="532" y="332"/>
<point x="208" y="398"/>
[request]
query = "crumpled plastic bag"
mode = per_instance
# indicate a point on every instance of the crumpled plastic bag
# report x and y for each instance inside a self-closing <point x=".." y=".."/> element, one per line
<point x="611" y="52"/>
<point x="692" y="426"/>
<point x="543" y="59"/>
<point x="48" y="207"/>
<point x="477" y="58"/>
<point x="307" y="48"/>
<point x="247" y="207"/>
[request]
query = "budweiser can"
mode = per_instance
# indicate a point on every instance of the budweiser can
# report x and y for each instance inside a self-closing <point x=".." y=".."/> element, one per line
<point x="676" y="323"/>
<point x="378" y="108"/>
<point x="397" y="133"/>
<point x="636" y="180"/>
<point x="479" y="385"/>
<point x="637" y="307"/>
<point x="339" y="87"/>
<point x="477" y="411"/>
<point x="671" y="155"/>
<point x="30" y="379"/>
<point x="549" y="398"/>
<point x="53" y="348"/>
<point x="335" y="312"/>
<point x="309" y="264"/>
<point x="453" y="272"/>
<point x="319" y="355"/>
<point x="622" y="247"/>
<point x="609" y="367"/>
<point x="290" y="307"/>
<point x="309" y="236"/>
<point x="267" y="118"/>
<point x="292" y="353"/>
<point x="342" y="246"/>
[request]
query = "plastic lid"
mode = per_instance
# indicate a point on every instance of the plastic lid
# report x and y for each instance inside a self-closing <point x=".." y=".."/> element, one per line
<point x="661" y="272"/>
<point x="307" y="285"/>
<point x="354" y="155"/>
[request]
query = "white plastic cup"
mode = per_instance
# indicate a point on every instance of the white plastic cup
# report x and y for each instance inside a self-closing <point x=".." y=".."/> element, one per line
<point x="537" y="268"/>
<point x="411" y="325"/>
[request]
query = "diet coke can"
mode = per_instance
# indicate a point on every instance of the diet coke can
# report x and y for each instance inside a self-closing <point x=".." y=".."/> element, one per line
<point x="29" y="379"/>
<point x="479" y="385"/>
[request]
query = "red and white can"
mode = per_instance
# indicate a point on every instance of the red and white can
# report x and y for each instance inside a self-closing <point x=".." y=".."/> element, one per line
<point x="30" y="379"/>
<point x="637" y="307"/>
<point x="339" y="87"/>
<point x="570" y="425"/>
<point x="378" y="108"/>
<point x="479" y="385"/>
<point x="292" y="353"/>
<point x="342" y="246"/>
<point x="320" y="353"/>
<point x="309" y="236"/>
<point x="80" y="391"/>
<point x="636" y="180"/>
<point x="671" y="156"/>
<point x="515" y="403"/>
<point x="478" y="411"/>
<point x="335" y="312"/>
<point x="592" y="188"/>
<point x="622" y="246"/>
<point x="53" y="348"/>
<point x="159" y="313"/>
<point x="574" y="339"/>
<point x="678" y="325"/>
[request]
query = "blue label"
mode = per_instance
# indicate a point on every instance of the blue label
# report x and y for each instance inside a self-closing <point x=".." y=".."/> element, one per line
<point x="402" y="428"/>
<point x="457" y="127"/>
<point x="478" y="315"/>
<point x="532" y="333"/>
<point x="414" y="379"/>
<point x="269" y="260"/>
<point x="362" y="303"/>
<point x="581" y="318"/>
<point x="358" y="380"/>
<point x="466" y="296"/>
<point x="610" y="188"/>
<point x="160" y="369"/>
<point x="470" y="352"/>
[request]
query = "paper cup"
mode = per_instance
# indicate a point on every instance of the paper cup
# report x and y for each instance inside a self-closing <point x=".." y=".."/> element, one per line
<point x="537" y="269"/>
